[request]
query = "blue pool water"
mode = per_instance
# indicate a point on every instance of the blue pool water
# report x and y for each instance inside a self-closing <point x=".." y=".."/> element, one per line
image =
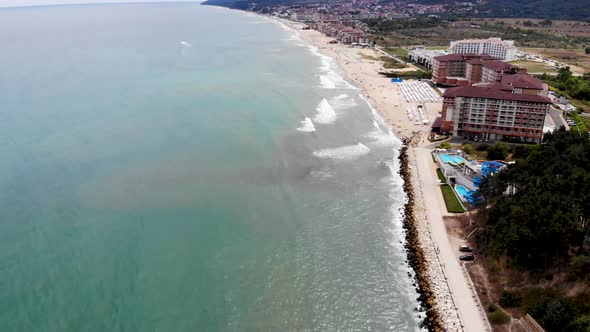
<point x="461" y="191"/>
<point x="452" y="159"/>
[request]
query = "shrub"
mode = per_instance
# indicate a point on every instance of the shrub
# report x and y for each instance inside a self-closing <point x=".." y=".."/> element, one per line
<point x="482" y="147"/>
<point x="498" y="151"/>
<point x="445" y="145"/>
<point x="468" y="148"/>
<point x="580" y="264"/>
<point x="510" y="299"/>
<point x="499" y="317"/>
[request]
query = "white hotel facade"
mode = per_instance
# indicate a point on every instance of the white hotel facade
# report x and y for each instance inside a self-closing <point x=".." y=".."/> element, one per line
<point x="496" y="47"/>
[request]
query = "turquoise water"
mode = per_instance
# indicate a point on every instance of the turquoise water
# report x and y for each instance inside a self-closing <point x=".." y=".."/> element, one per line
<point x="452" y="159"/>
<point x="461" y="191"/>
<point x="176" y="167"/>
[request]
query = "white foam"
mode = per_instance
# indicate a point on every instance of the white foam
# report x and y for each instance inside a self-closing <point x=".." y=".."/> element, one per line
<point x="381" y="138"/>
<point x="326" y="82"/>
<point x="322" y="174"/>
<point x="348" y="152"/>
<point x="329" y="78"/>
<point x="306" y="126"/>
<point x="326" y="113"/>
<point x="343" y="101"/>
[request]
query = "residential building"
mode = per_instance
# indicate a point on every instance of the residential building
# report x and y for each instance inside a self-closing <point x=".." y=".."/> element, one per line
<point x="424" y="57"/>
<point x="494" y="112"/>
<point x="496" y="47"/>
<point x="459" y="69"/>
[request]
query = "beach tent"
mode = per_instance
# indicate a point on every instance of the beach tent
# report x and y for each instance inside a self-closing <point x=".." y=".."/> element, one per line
<point x="396" y="80"/>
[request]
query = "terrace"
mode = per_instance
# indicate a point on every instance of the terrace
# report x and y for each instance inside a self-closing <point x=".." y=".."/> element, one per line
<point x="464" y="175"/>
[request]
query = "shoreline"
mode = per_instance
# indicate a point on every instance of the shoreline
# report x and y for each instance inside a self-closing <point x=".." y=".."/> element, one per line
<point x="439" y="277"/>
<point x="444" y="292"/>
<point x="434" y="296"/>
<point x="414" y="252"/>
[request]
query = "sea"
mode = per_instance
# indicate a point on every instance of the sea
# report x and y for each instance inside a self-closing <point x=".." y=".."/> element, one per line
<point x="179" y="167"/>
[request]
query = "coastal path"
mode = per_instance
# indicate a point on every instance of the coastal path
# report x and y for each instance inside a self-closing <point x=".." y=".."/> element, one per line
<point x="464" y="298"/>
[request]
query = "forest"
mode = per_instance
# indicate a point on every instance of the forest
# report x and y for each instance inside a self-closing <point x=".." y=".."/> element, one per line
<point x="536" y="215"/>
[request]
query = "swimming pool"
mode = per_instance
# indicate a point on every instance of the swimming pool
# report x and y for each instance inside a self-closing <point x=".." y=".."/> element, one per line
<point x="452" y="159"/>
<point x="461" y="191"/>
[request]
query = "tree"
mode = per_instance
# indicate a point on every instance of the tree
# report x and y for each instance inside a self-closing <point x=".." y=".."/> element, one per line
<point x="498" y="151"/>
<point x="587" y="50"/>
<point x="539" y="207"/>
<point x="546" y="23"/>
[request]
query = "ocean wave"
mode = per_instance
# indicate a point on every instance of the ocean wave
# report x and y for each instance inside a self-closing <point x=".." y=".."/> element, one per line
<point x="381" y="138"/>
<point x="326" y="82"/>
<point x="322" y="174"/>
<point x="348" y="152"/>
<point x="326" y="113"/>
<point x="343" y="101"/>
<point x="306" y="126"/>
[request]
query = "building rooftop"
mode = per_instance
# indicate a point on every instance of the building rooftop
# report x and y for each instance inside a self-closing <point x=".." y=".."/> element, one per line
<point x="465" y="57"/>
<point x="499" y="86"/>
<point x="522" y="81"/>
<point x="492" y="92"/>
<point x="493" y="40"/>
<point x="499" y="66"/>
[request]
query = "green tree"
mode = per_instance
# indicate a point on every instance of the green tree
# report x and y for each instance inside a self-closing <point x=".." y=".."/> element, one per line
<point x="498" y="151"/>
<point x="538" y="209"/>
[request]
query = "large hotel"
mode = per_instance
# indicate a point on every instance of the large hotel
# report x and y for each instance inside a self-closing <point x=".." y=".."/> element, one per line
<point x="489" y="99"/>
<point x="496" y="47"/>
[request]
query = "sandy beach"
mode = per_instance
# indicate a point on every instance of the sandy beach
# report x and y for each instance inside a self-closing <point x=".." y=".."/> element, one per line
<point x="451" y="294"/>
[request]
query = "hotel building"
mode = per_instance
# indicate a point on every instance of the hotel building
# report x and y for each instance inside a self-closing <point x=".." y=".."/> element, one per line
<point x="494" y="111"/>
<point x="496" y="47"/>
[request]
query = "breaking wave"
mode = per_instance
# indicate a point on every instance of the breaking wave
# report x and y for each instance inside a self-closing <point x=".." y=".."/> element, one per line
<point x="326" y="113"/>
<point x="348" y="152"/>
<point x="306" y="126"/>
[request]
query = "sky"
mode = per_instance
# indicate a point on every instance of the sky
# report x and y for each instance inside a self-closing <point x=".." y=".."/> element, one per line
<point x="16" y="3"/>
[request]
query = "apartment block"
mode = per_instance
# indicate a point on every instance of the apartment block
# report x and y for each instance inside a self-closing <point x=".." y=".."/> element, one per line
<point x="494" y="112"/>
<point x="496" y="47"/>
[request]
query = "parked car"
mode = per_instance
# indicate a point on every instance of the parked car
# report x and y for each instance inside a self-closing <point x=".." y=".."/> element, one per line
<point x="465" y="248"/>
<point x="468" y="257"/>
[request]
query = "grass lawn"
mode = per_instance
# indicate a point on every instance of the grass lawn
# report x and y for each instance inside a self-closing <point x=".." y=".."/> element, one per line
<point x="440" y="175"/>
<point x="535" y="67"/>
<point x="580" y="123"/>
<point x="451" y="200"/>
<point x="393" y="65"/>
<point x="396" y="51"/>
<point x="437" y="48"/>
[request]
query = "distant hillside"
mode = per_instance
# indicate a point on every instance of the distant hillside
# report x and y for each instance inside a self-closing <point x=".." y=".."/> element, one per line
<point x="546" y="9"/>
<point x="245" y="4"/>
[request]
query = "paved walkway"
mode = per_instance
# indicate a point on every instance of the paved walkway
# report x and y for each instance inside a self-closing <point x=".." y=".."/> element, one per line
<point x="465" y="299"/>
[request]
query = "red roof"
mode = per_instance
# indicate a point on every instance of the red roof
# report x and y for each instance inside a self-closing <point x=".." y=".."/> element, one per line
<point x="449" y="57"/>
<point x="437" y="122"/>
<point x="522" y="81"/>
<point x="464" y="57"/>
<point x="475" y="62"/>
<point x="498" y="66"/>
<point x="492" y="93"/>
<point x="498" y="86"/>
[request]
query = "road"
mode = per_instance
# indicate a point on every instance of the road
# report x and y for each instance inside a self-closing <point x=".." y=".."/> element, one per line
<point x="472" y="317"/>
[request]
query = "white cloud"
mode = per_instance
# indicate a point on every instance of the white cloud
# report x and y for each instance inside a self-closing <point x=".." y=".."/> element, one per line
<point x="19" y="3"/>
